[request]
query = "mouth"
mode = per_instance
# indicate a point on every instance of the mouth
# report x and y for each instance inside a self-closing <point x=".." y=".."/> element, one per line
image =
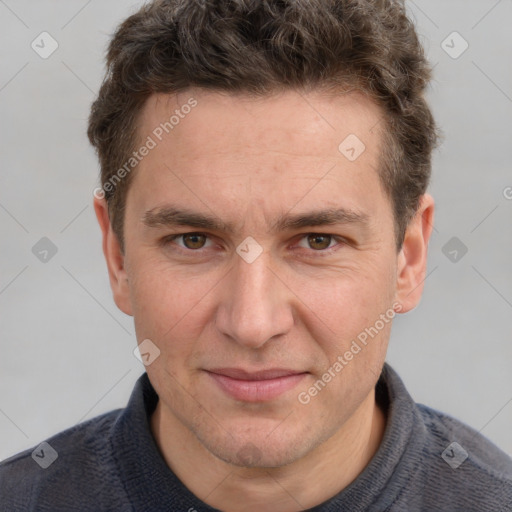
<point x="259" y="386"/>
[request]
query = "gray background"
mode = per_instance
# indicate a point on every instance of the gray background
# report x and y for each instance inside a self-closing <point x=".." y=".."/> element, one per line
<point x="66" y="351"/>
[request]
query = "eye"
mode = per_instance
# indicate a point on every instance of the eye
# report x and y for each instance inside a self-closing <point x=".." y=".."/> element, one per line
<point x="192" y="241"/>
<point x="318" y="241"/>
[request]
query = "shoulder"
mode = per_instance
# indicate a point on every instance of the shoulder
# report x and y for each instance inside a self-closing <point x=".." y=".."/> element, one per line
<point x="68" y="468"/>
<point x="462" y="468"/>
<point x="485" y="455"/>
<point x="437" y="461"/>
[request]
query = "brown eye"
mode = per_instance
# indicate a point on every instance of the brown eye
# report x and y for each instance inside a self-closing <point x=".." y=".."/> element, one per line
<point x="319" y="242"/>
<point x="194" y="240"/>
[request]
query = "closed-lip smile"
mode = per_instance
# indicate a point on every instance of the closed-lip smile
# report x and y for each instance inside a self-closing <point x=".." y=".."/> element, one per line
<point x="255" y="386"/>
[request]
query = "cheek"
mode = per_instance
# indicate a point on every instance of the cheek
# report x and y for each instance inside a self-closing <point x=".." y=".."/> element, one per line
<point x="167" y="303"/>
<point x="354" y="348"/>
<point x="346" y="300"/>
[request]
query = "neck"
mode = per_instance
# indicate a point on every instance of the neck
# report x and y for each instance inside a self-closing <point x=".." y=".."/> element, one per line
<point x="327" y="469"/>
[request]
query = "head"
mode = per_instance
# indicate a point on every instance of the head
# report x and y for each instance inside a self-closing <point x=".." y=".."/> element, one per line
<point x="302" y="125"/>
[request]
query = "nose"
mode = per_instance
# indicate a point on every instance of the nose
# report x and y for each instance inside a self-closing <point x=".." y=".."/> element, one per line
<point x="256" y="305"/>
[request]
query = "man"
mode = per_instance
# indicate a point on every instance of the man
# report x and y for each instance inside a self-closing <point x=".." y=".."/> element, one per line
<point x="264" y="167"/>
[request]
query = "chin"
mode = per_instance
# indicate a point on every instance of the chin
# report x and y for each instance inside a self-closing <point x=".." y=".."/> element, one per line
<point x="258" y="449"/>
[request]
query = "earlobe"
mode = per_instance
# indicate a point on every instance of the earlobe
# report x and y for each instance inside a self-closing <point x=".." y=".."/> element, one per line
<point x="114" y="258"/>
<point x="412" y="259"/>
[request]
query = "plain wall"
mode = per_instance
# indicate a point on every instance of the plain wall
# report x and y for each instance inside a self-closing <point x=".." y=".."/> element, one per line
<point x="66" y="351"/>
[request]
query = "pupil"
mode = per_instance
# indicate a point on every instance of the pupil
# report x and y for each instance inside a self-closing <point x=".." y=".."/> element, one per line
<point x="194" y="241"/>
<point x="322" y="240"/>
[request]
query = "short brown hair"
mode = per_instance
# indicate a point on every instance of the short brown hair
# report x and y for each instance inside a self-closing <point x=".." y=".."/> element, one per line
<point x="258" y="47"/>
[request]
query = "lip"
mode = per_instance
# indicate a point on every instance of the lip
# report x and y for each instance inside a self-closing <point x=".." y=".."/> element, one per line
<point x="259" y="386"/>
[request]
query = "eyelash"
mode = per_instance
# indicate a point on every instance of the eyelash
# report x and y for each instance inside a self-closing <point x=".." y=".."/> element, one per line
<point x="321" y="252"/>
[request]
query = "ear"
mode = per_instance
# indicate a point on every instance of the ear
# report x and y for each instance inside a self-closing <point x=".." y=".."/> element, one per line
<point x="412" y="259"/>
<point x="114" y="258"/>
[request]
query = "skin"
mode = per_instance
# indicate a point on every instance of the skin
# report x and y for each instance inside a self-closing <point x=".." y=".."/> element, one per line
<point x="298" y="305"/>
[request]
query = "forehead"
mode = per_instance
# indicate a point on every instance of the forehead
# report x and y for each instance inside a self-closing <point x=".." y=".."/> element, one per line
<point x="261" y="123"/>
<point x="228" y="150"/>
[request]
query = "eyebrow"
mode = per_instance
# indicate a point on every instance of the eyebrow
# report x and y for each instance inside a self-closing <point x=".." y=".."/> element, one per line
<point x="171" y="217"/>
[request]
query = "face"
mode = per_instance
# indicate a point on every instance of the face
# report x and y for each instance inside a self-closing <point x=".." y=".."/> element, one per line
<point x="256" y="253"/>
